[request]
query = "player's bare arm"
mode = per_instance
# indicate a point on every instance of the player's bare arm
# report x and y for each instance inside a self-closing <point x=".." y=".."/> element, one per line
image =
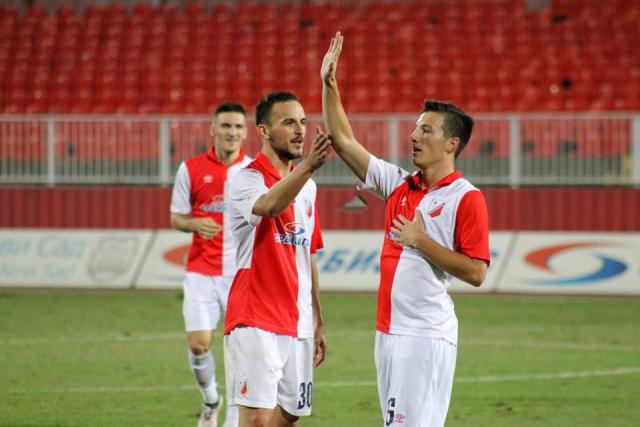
<point x="282" y="194"/>
<point x="206" y="227"/>
<point x="335" y="118"/>
<point x="320" y="341"/>
<point x="412" y="233"/>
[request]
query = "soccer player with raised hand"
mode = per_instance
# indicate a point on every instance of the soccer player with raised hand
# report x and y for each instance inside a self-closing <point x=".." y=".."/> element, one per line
<point x="436" y="227"/>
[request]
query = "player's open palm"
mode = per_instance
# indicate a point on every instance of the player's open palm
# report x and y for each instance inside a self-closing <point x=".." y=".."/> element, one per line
<point x="207" y="228"/>
<point x="319" y="150"/>
<point x="330" y="60"/>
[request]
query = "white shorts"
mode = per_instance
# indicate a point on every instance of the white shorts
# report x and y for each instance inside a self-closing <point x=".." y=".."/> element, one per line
<point x="415" y="376"/>
<point x="265" y="369"/>
<point x="205" y="300"/>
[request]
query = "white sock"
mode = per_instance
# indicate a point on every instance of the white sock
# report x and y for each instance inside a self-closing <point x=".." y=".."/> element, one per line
<point x="204" y="369"/>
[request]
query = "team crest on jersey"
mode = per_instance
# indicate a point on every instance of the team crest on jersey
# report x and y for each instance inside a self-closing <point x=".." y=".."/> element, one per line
<point x="403" y="201"/>
<point x="207" y="179"/>
<point x="293" y="235"/>
<point x="434" y="212"/>
<point x="308" y="207"/>
<point x="216" y="204"/>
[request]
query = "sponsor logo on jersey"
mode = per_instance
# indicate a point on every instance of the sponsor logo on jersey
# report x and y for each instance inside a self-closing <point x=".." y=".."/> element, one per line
<point x="244" y="389"/>
<point x="607" y="268"/>
<point x="392" y="235"/>
<point x="216" y="205"/>
<point x="294" y="235"/>
<point x="207" y="179"/>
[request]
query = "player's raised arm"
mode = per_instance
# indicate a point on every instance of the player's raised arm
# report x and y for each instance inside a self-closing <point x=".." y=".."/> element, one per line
<point x="335" y="118"/>
<point x="284" y="192"/>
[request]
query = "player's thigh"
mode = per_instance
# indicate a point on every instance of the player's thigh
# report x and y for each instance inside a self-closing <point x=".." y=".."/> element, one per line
<point x="295" y="390"/>
<point x="254" y="361"/>
<point x="200" y="307"/>
<point x="382" y="357"/>
<point x="254" y="416"/>
<point x="222" y="288"/>
<point x="415" y="376"/>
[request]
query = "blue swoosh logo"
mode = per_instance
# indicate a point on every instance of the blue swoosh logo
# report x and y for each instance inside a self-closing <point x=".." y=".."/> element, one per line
<point x="610" y="267"/>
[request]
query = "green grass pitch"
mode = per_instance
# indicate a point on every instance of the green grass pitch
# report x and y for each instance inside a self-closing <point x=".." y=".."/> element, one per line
<point x="118" y="358"/>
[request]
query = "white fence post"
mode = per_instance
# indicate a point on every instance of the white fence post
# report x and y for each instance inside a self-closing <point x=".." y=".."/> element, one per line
<point x="165" y="156"/>
<point x="51" y="152"/>
<point x="635" y="151"/>
<point x="515" y="148"/>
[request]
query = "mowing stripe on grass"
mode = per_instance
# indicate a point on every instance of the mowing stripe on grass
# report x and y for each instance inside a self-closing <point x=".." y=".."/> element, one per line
<point x="97" y="339"/>
<point x="173" y="336"/>
<point x="554" y="376"/>
<point x="331" y="384"/>
<point x="546" y="344"/>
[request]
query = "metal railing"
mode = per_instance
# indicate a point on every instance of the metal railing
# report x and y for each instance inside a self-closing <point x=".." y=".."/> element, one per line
<point x="506" y="149"/>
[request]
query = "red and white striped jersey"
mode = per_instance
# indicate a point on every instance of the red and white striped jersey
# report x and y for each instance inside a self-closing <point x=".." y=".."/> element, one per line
<point x="201" y="189"/>
<point x="412" y="294"/>
<point x="272" y="287"/>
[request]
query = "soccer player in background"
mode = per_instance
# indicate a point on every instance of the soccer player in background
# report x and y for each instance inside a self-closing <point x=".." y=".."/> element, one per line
<point x="198" y="206"/>
<point x="436" y="227"/>
<point x="274" y="328"/>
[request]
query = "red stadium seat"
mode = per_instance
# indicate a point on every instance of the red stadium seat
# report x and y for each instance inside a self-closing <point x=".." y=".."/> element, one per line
<point x="496" y="56"/>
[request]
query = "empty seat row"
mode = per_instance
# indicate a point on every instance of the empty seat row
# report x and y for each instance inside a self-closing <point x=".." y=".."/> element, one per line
<point x="492" y="55"/>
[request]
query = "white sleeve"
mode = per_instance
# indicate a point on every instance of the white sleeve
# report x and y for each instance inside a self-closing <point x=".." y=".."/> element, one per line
<point x="246" y="188"/>
<point x="181" y="196"/>
<point x="382" y="177"/>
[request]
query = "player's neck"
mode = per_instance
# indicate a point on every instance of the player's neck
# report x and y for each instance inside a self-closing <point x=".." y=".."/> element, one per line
<point x="282" y="165"/>
<point x="226" y="157"/>
<point x="435" y="173"/>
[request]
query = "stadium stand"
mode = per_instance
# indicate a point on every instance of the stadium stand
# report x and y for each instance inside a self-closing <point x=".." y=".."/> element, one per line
<point x="555" y="91"/>
<point x="162" y="69"/>
<point x="488" y="56"/>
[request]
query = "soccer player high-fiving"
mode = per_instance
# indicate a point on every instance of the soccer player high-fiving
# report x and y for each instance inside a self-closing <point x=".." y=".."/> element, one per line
<point x="274" y="328"/>
<point x="436" y="227"/>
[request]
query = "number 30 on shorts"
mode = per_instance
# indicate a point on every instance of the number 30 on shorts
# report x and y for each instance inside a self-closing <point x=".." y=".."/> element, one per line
<point x="306" y="395"/>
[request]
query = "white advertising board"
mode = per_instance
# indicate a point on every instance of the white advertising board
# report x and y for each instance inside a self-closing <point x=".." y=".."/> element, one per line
<point x="533" y="263"/>
<point x="165" y="262"/>
<point x="350" y="261"/>
<point x="71" y="258"/>
<point x="574" y="263"/>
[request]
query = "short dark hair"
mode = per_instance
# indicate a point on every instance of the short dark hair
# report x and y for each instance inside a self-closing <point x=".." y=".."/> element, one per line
<point x="457" y="123"/>
<point x="264" y="107"/>
<point x="230" y="107"/>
